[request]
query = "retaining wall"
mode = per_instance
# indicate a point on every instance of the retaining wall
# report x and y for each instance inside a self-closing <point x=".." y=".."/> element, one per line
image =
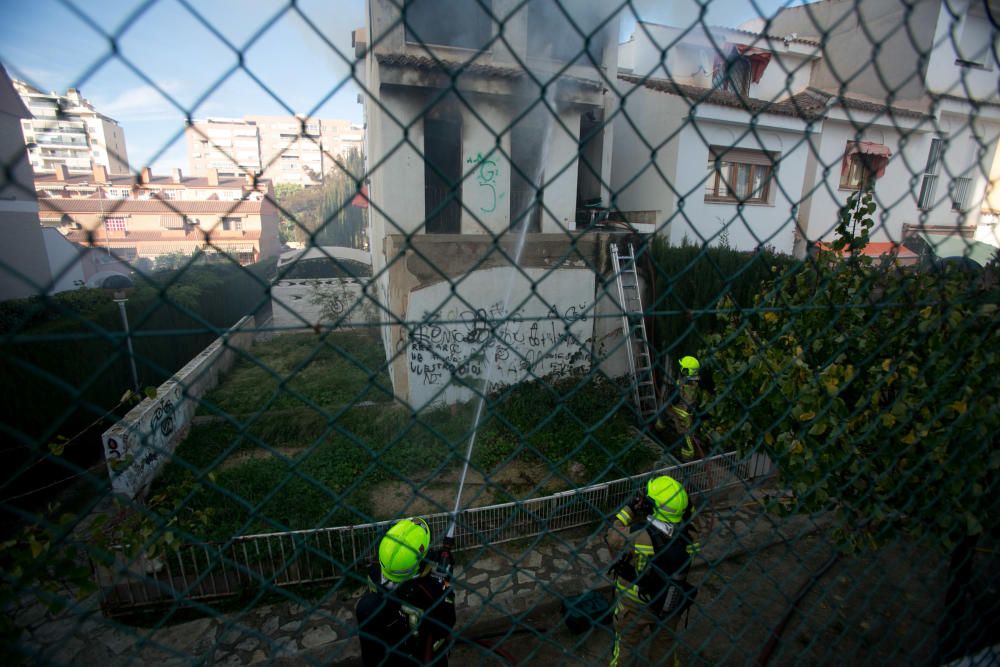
<point x="138" y="446"/>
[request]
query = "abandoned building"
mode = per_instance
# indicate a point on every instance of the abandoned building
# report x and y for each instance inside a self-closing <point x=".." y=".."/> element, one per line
<point x="475" y="136"/>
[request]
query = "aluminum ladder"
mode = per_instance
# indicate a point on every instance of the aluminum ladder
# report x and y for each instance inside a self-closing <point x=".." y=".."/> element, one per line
<point x="640" y="362"/>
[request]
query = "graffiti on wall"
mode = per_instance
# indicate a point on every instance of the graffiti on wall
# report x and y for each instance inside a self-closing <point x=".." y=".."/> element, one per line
<point x="135" y="449"/>
<point x="451" y="349"/>
<point x="486" y="173"/>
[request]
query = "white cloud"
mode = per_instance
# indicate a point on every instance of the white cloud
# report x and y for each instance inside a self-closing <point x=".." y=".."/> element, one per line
<point x="142" y="103"/>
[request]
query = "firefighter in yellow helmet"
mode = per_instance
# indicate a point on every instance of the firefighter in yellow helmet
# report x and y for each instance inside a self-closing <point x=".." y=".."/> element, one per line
<point x="651" y="572"/>
<point x="408" y="615"/>
<point x="684" y="406"/>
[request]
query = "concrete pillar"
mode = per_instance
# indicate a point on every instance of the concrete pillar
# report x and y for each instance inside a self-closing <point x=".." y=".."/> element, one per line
<point x="485" y="170"/>
<point x="561" y="173"/>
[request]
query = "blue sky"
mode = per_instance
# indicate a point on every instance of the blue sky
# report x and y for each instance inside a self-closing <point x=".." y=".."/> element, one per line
<point x="168" y="61"/>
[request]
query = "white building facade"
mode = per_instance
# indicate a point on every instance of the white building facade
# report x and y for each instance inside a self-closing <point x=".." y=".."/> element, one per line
<point x="285" y="149"/>
<point x="67" y="130"/>
<point x="788" y="128"/>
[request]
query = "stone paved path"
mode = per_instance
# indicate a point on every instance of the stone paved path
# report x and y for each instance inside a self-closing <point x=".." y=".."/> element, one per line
<point x="503" y="583"/>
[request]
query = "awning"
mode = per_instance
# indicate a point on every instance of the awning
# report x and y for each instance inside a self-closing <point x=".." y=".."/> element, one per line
<point x="231" y="248"/>
<point x="878" y="155"/>
<point x="360" y="200"/>
<point x="759" y="58"/>
<point x="945" y="246"/>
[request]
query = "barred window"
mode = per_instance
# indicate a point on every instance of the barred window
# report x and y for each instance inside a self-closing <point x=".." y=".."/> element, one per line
<point x="116" y="224"/>
<point x="961" y="188"/>
<point x="929" y="182"/>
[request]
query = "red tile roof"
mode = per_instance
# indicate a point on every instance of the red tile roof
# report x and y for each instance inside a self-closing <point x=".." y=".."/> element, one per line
<point x="216" y="238"/>
<point x="808" y="105"/>
<point x="176" y="206"/>
<point x="802" y="106"/>
<point x="164" y="182"/>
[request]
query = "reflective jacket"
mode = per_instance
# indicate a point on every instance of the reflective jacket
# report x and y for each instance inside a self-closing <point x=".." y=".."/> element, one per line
<point x="654" y="571"/>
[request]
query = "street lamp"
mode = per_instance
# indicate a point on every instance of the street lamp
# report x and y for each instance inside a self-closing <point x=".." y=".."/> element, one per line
<point x="121" y="285"/>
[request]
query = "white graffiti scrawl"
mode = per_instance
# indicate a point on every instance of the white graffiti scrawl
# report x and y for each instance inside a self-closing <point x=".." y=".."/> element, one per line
<point x="452" y="347"/>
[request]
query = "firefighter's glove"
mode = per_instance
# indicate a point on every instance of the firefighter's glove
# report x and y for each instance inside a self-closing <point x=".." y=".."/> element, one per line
<point x="640" y="506"/>
<point x="444" y="563"/>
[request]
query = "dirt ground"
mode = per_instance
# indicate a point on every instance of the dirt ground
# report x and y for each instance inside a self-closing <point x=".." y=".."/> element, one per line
<point x="514" y="481"/>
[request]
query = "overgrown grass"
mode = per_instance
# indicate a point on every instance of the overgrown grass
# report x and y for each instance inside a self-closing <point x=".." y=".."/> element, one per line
<point x="278" y="463"/>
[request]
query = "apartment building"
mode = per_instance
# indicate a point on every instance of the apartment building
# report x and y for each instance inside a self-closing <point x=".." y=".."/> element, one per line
<point x="66" y="130"/>
<point x="487" y="146"/>
<point x="285" y="149"/>
<point x="152" y="216"/>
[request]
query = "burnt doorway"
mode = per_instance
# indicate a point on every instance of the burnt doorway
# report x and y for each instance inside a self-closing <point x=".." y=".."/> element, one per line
<point x="443" y="175"/>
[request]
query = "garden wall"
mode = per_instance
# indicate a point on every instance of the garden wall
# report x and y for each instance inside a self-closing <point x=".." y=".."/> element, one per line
<point x="141" y="443"/>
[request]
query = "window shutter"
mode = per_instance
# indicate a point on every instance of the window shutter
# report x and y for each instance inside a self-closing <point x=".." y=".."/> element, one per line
<point x="742" y="155"/>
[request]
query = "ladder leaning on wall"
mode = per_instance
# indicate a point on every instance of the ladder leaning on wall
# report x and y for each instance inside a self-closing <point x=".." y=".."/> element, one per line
<point x="640" y="361"/>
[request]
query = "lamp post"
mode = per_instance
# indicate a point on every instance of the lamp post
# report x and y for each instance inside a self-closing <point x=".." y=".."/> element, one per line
<point x="120" y="285"/>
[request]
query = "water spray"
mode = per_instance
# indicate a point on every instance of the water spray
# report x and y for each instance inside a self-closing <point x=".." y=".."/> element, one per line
<point x="525" y="222"/>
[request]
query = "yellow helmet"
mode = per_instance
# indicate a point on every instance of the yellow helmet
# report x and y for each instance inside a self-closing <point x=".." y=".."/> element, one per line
<point x="403" y="548"/>
<point x="689" y="365"/>
<point x="670" y="500"/>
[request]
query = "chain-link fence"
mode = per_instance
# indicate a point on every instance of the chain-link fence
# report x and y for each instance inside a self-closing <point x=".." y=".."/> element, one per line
<point x="574" y="247"/>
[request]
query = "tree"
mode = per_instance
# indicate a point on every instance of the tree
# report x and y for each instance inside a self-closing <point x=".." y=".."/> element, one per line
<point x="326" y="211"/>
<point x="869" y="386"/>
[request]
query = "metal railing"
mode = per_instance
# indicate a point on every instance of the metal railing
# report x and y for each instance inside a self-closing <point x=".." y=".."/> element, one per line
<point x="219" y="570"/>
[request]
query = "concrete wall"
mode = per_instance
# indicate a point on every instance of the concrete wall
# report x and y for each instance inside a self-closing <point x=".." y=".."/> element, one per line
<point x="968" y="35"/>
<point x="24" y="265"/>
<point x="645" y="155"/>
<point x="300" y="303"/>
<point x="477" y="334"/>
<point x="853" y="28"/>
<point x="139" y="445"/>
<point x="481" y="320"/>
<point x="65" y="261"/>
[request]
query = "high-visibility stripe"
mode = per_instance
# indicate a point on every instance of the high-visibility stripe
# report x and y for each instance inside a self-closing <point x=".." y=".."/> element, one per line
<point x="625" y="516"/>
<point x="644" y="548"/>
<point x="629" y="591"/>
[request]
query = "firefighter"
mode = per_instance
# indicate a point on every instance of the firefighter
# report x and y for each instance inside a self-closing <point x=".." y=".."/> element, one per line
<point x="685" y="406"/>
<point x="651" y="572"/>
<point x="408" y="615"/>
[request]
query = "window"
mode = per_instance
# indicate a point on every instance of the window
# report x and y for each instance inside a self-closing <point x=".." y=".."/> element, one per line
<point x="926" y="199"/>
<point x="118" y="193"/>
<point x="232" y="224"/>
<point x="467" y="25"/>
<point x="733" y="75"/>
<point x="961" y="188"/>
<point x="857" y="175"/>
<point x="116" y="224"/>
<point x="736" y="175"/>
<point x="863" y="163"/>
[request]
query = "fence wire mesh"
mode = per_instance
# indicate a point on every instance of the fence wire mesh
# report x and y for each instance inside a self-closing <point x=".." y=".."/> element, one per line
<point x="572" y="248"/>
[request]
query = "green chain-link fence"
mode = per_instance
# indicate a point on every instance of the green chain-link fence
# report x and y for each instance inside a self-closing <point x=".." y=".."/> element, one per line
<point x="557" y="202"/>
